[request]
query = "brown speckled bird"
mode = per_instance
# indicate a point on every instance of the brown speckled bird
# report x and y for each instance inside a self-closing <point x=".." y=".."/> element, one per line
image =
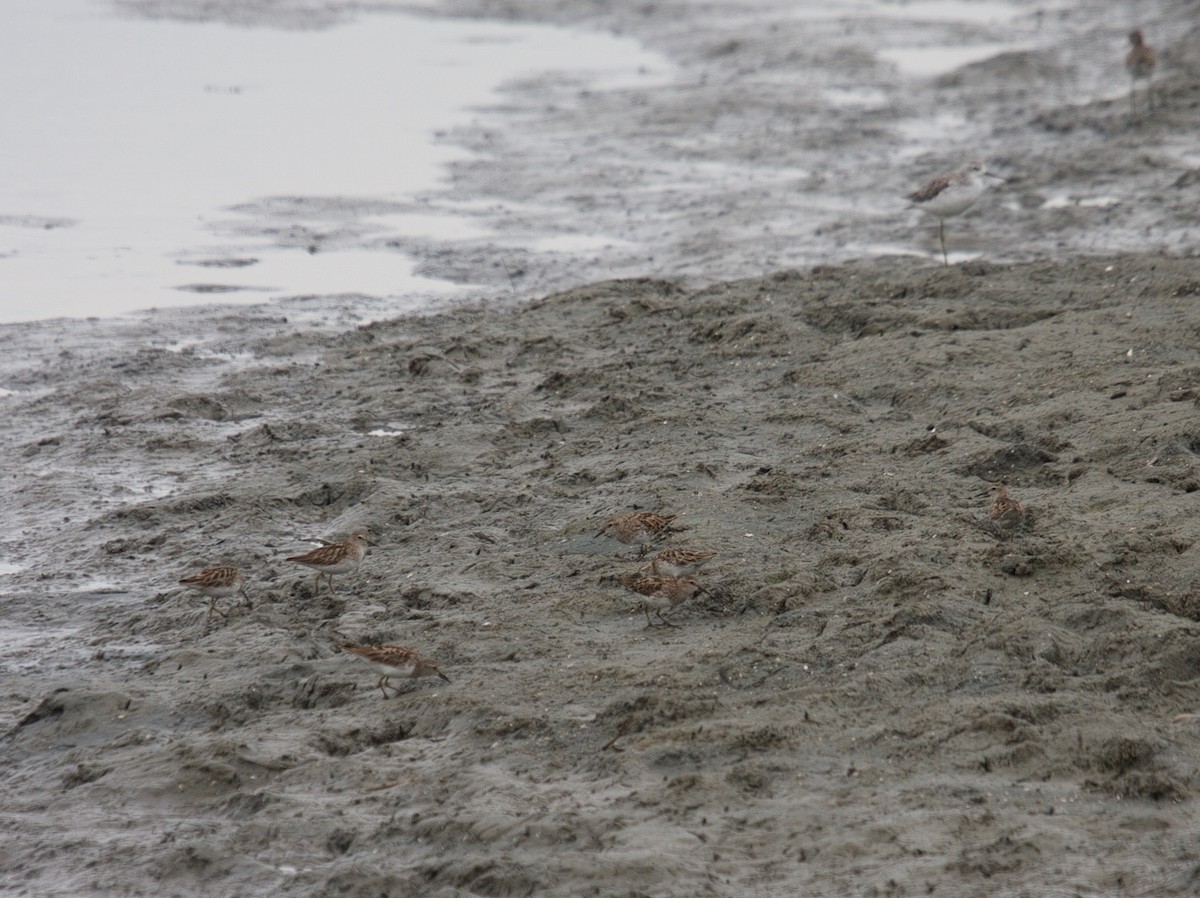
<point x="395" y="661"/>
<point x="1140" y="62"/>
<point x="662" y="592"/>
<point x="952" y="194"/>
<point x="1006" y="511"/>
<point x="217" y="583"/>
<point x="679" y="562"/>
<point x="338" y="558"/>
<point x="640" y="528"/>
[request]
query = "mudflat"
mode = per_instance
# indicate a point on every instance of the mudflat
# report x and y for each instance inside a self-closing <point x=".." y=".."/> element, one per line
<point x="882" y="690"/>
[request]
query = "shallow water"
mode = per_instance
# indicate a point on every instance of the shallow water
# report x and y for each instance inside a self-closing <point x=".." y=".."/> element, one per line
<point x="122" y="185"/>
<point x="399" y="161"/>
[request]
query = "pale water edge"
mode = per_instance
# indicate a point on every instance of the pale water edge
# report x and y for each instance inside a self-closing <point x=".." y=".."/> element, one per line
<point x="152" y="181"/>
<point x="138" y="138"/>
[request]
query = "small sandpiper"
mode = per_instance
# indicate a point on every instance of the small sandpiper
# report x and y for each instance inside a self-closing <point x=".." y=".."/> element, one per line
<point x="679" y="562"/>
<point x="1005" y="511"/>
<point x="217" y="583"/>
<point x="663" y="593"/>
<point x="339" y="558"/>
<point x="641" y="528"/>
<point x="395" y="661"/>
<point x="952" y="194"/>
<point x="1140" y="62"/>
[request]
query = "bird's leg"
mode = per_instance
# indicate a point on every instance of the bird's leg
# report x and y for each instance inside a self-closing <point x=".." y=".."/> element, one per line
<point x="666" y="623"/>
<point x="382" y="684"/>
<point x="331" y="592"/>
<point x="942" y="237"/>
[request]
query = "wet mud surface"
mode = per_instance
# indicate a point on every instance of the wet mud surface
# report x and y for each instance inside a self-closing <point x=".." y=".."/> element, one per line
<point x="789" y="137"/>
<point x="881" y="692"/>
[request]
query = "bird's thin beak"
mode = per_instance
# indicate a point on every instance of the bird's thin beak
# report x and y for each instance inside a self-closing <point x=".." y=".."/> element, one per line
<point x="443" y="676"/>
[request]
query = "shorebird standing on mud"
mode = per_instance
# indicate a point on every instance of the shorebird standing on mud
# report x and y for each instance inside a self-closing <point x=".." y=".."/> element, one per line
<point x="395" y="661"/>
<point x="1140" y="62"/>
<point x="339" y="558"/>
<point x="640" y="528"/>
<point x="217" y="583"/>
<point x="663" y="593"/>
<point x="1004" y="511"/>
<point x="952" y="194"/>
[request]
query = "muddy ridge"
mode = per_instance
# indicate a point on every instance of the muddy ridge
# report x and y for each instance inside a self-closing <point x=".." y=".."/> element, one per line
<point x="880" y="691"/>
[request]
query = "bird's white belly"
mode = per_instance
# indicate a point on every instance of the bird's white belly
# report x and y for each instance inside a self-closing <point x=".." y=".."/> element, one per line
<point x="951" y="201"/>
<point x="340" y="568"/>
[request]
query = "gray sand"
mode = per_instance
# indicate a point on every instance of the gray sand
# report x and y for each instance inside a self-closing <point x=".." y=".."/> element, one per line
<point x="881" y="694"/>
